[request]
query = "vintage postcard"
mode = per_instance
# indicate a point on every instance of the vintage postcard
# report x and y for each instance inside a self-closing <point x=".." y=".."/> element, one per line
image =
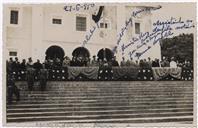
<point x="96" y="64"/>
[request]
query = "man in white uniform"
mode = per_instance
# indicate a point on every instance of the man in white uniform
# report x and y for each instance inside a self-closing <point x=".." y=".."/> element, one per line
<point x="173" y="64"/>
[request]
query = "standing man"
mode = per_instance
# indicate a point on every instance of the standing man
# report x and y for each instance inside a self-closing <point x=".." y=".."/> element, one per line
<point x="30" y="77"/>
<point x="37" y="66"/>
<point x="173" y="64"/>
<point x="43" y="76"/>
<point x="29" y="63"/>
<point x="12" y="88"/>
<point x="94" y="62"/>
<point x="123" y="62"/>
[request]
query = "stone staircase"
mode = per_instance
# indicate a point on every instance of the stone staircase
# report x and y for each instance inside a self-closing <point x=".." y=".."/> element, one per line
<point x="105" y="102"/>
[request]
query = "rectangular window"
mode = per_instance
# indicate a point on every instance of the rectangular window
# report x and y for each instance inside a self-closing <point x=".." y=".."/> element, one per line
<point x="81" y="24"/>
<point x="13" y="53"/>
<point x="137" y="28"/>
<point x="106" y="26"/>
<point x="56" y="21"/>
<point x="101" y="25"/>
<point x="14" y="17"/>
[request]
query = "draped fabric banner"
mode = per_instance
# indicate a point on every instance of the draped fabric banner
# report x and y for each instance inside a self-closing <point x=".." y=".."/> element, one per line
<point x="162" y="72"/>
<point x="89" y="72"/>
<point x="130" y="72"/>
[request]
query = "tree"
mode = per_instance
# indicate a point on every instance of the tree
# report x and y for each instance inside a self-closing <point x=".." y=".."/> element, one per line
<point x="180" y="47"/>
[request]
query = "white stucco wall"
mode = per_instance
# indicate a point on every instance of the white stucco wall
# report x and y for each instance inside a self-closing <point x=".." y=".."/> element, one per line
<point x="18" y="38"/>
<point x="35" y="32"/>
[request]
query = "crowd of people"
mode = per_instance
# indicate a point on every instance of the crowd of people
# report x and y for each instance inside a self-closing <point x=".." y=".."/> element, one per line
<point x="14" y="65"/>
<point x="41" y="69"/>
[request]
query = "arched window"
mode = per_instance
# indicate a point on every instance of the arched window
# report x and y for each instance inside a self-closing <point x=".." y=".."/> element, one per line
<point x="55" y="52"/>
<point x="81" y="51"/>
<point x="80" y="57"/>
<point x="105" y="53"/>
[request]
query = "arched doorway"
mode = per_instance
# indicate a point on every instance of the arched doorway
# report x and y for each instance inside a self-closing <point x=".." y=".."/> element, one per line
<point x="54" y="52"/>
<point x="81" y="51"/>
<point x="80" y="56"/>
<point x="105" y="53"/>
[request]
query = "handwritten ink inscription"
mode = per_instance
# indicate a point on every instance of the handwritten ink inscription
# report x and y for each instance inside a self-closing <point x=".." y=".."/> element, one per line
<point x="162" y="29"/>
<point x="78" y="7"/>
<point x="89" y="34"/>
<point x="137" y="46"/>
<point x="130" y="22"/>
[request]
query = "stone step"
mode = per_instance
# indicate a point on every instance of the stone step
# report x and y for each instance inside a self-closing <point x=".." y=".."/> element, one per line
<point x="128" y="96"/>
<point x="114" y="83"/>
<point x="138" y="92"/>
<point x="106" y="86"/>
<point x="55" y="109"/>
<point x="123" y="100"/>
<point x="114" y="91"/>
<point x="91" y="113"/>
<point x="99" y="123"/>
<point x="102" y="102"/>
<point x="95" y="105"/>
<point x="94" y="117"/>
<point x="70" y="93"/>
<point x="86" y="96"/>
<point x="110" y="91"/>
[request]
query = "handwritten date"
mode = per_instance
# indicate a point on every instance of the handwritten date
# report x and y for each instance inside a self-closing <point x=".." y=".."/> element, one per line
<point x="78" y="7"/>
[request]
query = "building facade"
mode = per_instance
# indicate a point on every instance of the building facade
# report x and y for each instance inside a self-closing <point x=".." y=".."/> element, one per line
<point x="31" y="30"/>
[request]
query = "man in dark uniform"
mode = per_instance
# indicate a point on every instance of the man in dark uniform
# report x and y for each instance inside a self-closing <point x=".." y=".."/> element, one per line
<point x="43" y="76"/>
<point x="12" y="89"/>
<point x="16" y="65"/>
<point x="73" y="61"/>
<point x="37" y="66"/>
<point x="23" y="65"/>
<point x="30" y="77"/>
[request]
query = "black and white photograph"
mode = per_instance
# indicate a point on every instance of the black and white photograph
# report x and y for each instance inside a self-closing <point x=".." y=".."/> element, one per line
<point x="92" y="64"/>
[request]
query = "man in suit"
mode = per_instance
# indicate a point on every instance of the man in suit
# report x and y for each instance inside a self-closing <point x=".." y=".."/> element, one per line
<point x="30" y="77"/>
<point x="43" y="76"/>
